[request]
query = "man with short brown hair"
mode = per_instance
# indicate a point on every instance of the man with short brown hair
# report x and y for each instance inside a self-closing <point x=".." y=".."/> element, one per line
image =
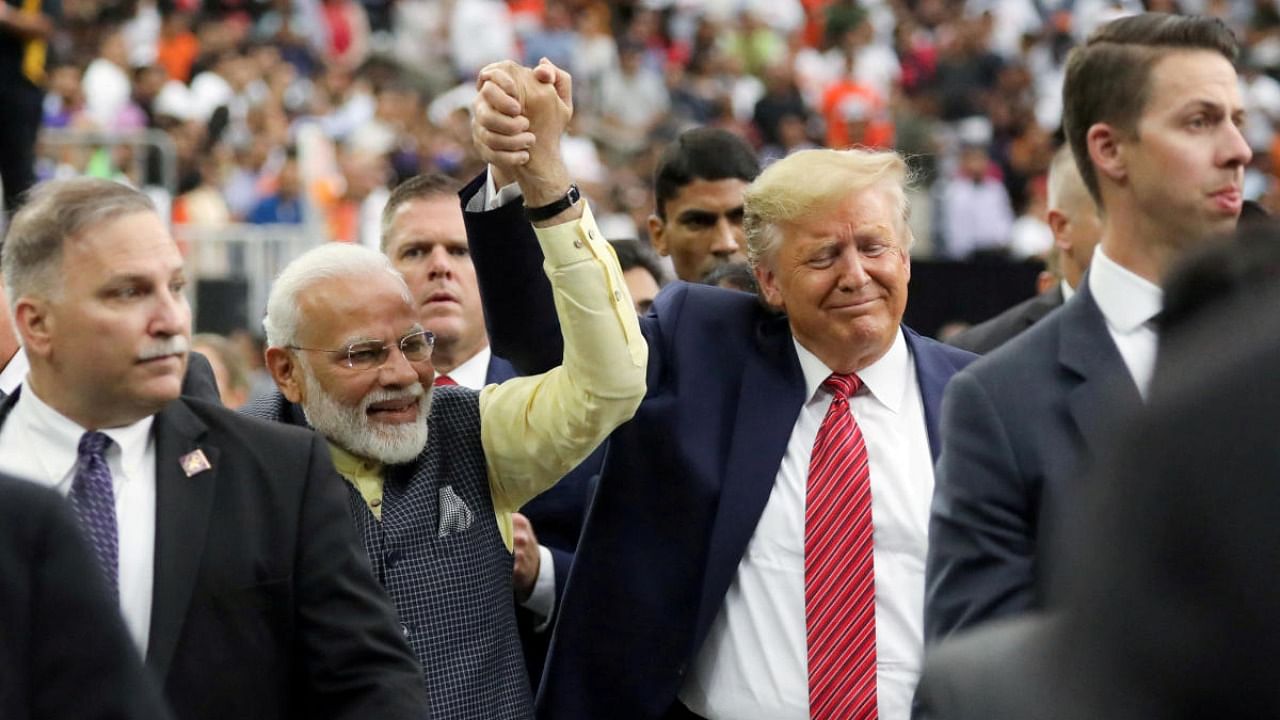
<point x="1153" y="113"/>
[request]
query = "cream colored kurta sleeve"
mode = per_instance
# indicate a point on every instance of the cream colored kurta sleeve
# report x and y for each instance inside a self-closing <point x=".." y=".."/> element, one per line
<point x="535" y="429"/>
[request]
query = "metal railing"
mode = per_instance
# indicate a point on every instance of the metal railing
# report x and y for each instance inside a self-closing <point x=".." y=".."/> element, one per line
<point x="57" y="142"/>
<point x="252" y="253"/>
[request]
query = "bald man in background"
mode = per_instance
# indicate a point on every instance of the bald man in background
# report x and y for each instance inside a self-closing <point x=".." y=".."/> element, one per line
<point x="1073" y="218"/>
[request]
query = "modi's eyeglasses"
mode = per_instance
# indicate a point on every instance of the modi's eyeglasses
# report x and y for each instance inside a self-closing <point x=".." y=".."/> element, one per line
<point x="371" y="354"/>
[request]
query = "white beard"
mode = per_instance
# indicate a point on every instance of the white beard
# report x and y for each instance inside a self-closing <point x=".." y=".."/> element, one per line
<point x="350" y="427"/>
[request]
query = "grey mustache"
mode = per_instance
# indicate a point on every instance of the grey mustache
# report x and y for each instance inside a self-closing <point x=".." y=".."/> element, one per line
<point x="175" y="345"/>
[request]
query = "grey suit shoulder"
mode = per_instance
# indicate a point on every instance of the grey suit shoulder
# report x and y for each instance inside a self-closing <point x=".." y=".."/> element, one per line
<point x="991" y="334"/>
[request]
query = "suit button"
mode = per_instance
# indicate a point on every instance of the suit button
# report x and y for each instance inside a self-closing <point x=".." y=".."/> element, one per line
<point x="391" y="559"/>
<point x="404" y="630"/>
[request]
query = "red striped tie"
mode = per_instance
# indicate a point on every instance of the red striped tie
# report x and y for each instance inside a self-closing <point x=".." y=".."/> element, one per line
<point x="442" y="380"/>
<point x="839" y="570"/>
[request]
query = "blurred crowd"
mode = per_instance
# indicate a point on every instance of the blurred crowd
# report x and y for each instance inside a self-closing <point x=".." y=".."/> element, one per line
<point x="308" y="111"/>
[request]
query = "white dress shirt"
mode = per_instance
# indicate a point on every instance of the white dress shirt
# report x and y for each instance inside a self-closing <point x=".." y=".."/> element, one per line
<point x="14" y="372"/>
<point x="754" y="663"/>
<point x="1128" y="303"/>
<point x="1068" y="292"/>
<point x="542" y="599"/>
<point x="472" y="373"/>
<point x="39" y="444"/>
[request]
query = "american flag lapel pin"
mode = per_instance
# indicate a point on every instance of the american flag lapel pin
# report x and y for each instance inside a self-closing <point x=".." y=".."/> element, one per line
<point x="194" y="462"/>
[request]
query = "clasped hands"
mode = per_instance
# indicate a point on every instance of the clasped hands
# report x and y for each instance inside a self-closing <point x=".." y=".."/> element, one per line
<point x="518" y="117"/>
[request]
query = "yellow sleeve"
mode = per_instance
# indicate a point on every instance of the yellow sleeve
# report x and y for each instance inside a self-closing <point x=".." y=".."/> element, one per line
<point x="535" y="429"/>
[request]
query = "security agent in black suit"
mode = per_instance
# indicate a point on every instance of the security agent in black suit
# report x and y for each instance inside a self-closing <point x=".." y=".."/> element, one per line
<point x="262" y="603"/>
<point x="1073" y="218"/>
<point x="64" y="653"/>
<point x="1023" y="426"/>
<point x="1167" y="609"/>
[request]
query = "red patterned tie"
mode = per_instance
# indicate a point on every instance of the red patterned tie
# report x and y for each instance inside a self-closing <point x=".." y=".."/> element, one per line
<point x="444" y="380"/>
<point x="839" y="570"/>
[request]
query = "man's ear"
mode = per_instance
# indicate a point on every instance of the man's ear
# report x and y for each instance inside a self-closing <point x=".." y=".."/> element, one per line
<point x="1106" y="151"/>
<point x="657" y="235"/>
<point x="767" y="279"/>
<point x="287" y="373"/>
<point x="1057" y="221"/>
<point x="34" y="324"/>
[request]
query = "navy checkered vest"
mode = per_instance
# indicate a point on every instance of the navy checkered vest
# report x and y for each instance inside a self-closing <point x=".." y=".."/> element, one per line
<point x="438" y="553"/>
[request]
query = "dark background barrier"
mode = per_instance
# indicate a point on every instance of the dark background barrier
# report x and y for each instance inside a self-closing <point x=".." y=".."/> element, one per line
<point x="944" y="291"/>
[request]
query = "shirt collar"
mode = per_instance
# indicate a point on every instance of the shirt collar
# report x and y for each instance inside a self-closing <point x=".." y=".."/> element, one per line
<point x="14" y="372"/>
<point x="350" y="465"/>
<point x="472" y="373"/>
<point x="1067" y="290"/>
<point x="62" y="436"/>
<point x="1126" y="300"/>
<point x="885" y="378"/>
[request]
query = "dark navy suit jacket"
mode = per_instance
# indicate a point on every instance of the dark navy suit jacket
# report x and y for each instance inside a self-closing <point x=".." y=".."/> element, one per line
<point x="685" y="481"/>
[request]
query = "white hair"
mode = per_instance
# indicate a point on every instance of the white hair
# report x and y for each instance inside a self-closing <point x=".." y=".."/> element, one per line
<point x="329" y="261"/>
<point x="349" y="426"/>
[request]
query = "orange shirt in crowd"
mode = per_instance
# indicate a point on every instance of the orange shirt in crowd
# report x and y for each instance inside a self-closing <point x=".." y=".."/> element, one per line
<point x="845" y="100"/>
<point x="177" y="54"/>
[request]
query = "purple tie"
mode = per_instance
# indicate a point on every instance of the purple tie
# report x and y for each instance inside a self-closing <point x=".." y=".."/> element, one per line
<point x="94" y="501"/>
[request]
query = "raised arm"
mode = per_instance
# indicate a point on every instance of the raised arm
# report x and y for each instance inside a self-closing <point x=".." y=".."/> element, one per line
<point x="519" y="311"/>
<point x="535" y="429"/>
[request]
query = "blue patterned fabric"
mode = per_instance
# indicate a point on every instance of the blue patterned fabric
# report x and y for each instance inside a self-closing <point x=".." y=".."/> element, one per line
<point x="438" y="552"/>
<point x="94" y="501"/>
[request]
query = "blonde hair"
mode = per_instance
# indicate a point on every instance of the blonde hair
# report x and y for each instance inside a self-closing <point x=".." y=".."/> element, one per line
<point x="811" y="181"/>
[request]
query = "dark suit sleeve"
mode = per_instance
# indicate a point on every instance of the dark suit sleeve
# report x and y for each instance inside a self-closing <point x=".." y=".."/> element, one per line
<point x="83" y="662"/>
<point x="357" y="660"/>
<point x="981" y="542"/>
<point x="199" y="381"/>
<point x="519" y="309"/>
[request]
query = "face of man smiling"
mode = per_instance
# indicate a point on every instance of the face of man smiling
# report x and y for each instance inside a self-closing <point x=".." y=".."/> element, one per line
<point x="380" y="412"/>
<point x="841" y="276"/>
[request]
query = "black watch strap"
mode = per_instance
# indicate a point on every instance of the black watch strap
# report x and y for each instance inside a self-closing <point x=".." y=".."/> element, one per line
<point x="546" y="212"/>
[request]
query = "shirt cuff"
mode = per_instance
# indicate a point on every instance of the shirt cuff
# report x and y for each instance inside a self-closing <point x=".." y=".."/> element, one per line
<point x="492" y="198"/>
<point x="542" y="600"/>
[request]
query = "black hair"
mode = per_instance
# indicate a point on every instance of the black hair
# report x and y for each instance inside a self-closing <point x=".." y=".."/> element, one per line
<point x="702" y="153"/>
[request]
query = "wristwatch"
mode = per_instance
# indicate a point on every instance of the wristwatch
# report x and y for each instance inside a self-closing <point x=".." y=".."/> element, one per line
<point x="546" y="212"/>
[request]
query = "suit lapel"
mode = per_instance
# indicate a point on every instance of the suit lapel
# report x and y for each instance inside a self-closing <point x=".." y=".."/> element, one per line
<point x="1106" y="389"/>
<point x="183" y="506"/>
<point x="933" y="370"/>
<point x="6" y="405"/>
<point x="769" y="400"/>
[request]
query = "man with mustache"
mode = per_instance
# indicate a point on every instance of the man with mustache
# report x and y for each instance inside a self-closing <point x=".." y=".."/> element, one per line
<point x="222" y="538"/>
<point x="1152" y="114"/>
<point x="433" y="493"/>
<point x="199" y="382"/>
